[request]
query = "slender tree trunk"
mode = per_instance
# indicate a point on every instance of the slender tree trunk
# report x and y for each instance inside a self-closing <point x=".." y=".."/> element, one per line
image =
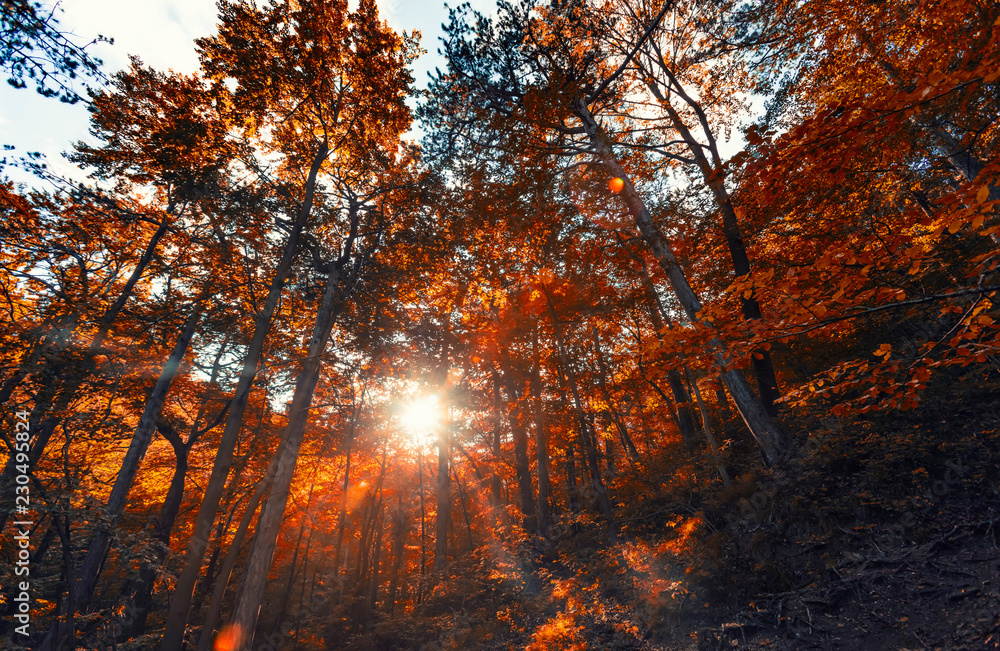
<point x="251" y="591"/>
<point x="398" y="551"/>
<point x="293" y="565"/>
<point x="713" y="446"/>
<point x="769" y="437"/>
<point x="342" y="521"/>
<point x="142" y="599"/>
<point x="372" y="592"/>
<point x="366" y="580"/>
<point x="602" y="377"/>
<point x="569" y="463"/>
<point x="495" y="483"/>
<point x="423" y="526"/>
<point x="443" y="519"/>
<point x="214" y="612"/>
<point x="465" y="510"/>
<point x="587" y="435"/>
<point x="714" y="178"/>
<point x="571" y="485"/>
<point x="522" y="463"/>
<point x="176" y="622"/>
<point x="682" y="400"/>
<point x="647" y="430"/>
<point x="86" y="580"/>
<point x="541" y="438"/>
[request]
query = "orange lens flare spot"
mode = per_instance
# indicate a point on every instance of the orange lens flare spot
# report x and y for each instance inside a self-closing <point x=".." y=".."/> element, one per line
<point x="616" y="184"/>
<point x="229" y="638"/>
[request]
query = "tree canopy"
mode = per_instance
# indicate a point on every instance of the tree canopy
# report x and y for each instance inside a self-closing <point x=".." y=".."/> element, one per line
<point x="675" y="328"/>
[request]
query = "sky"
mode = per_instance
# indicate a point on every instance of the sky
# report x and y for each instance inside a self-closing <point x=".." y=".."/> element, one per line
<point x="161" y="33"/>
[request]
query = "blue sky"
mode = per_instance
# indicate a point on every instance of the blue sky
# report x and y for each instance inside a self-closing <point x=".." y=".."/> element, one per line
<point x="161" y="32"/>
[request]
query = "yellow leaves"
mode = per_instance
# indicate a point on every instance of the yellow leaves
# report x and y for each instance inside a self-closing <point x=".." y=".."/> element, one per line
<point x="883" y="351"/>
<point x="983" y="194"/>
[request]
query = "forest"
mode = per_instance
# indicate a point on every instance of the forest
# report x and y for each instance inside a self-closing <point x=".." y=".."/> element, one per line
<point x="645" y="324"/>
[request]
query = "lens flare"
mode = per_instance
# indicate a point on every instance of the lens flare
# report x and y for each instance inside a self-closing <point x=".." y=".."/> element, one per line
<point x="229" y="638"/>
<point x="616" y="184"/>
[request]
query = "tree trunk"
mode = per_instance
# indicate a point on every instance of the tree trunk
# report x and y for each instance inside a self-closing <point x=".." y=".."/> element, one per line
<point x="142" y="599"/>
<point x="522" y="463"/>
<point x="290" y="584"/>
<point x="682" y="401"/>
<point x="541" y="438"/>
<point x="423" y="526"/>
<point x="86" y="580"/>
<point x="708" y="429"/>
<point x="602" y="377"/>
<point x="398" y="551"/>
<point x="258" y="564"/>
<point x="372" y="592"/>
<point x="769" y="437"/>
<point x="342" y="521"/>
<point x="443" y="520"/>
<point x="465" y="510"/>
<point x="176" y="622"/>
<point x="495" y="483"/>
<point x="587" y="436"/>
<point x="573" y="497"/>
<point x="213" y="615"/>
<point x="714" y="178"/>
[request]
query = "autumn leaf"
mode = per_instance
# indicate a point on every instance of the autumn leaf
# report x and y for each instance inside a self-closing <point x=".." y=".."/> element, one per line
<point x="983" y="194"/>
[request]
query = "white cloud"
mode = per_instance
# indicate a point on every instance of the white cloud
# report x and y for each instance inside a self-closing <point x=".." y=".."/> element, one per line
<point x="161" y="32"/>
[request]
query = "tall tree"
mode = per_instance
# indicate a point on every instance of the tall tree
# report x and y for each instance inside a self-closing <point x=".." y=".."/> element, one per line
<point x="533" y="75"/>
<point x="342" y="79"/>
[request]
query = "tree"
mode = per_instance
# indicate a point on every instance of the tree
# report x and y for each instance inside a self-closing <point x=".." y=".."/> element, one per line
<point x="533" y="74"/>
<point x="32" y="47"/>
<point x="350" y="70"/>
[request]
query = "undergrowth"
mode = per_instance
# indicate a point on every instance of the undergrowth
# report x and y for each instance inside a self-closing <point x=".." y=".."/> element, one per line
<point x="690" y="553"/>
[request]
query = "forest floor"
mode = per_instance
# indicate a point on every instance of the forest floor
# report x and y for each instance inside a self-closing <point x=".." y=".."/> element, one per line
<point x="881" y="534"/>
<point x="916" y="562"/>
<point x="943" y="594"/>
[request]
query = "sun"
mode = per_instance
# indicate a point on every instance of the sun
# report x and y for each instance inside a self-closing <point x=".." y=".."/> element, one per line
<point x="421" y="418"/>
